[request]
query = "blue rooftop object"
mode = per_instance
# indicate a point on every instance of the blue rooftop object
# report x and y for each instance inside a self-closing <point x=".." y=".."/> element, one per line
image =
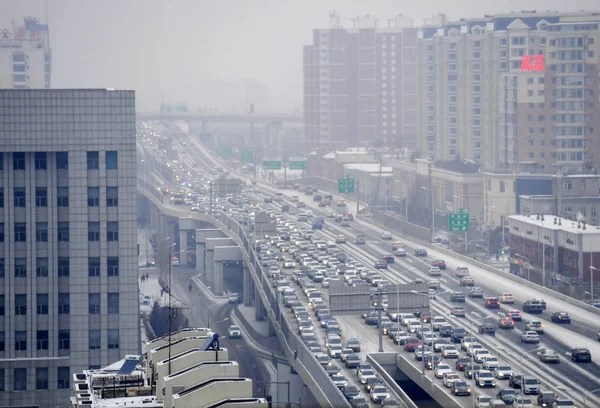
<point x="129" y="365"/>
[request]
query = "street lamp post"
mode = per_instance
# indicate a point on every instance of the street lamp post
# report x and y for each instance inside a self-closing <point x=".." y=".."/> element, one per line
<point x="592" y="270"/>
<point x="523" y="354"/>
<point x="432" y="211"/>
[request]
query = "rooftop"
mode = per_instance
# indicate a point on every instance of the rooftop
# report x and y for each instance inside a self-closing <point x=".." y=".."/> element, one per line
<point x="547" y="221"/>
<point x="368" y="167"/>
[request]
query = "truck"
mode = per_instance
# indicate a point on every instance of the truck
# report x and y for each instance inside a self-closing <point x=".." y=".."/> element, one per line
<point x="178" y="198"/>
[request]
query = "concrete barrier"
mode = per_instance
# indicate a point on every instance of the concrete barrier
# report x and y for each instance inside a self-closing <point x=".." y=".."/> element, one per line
<point x="376" y="359"/>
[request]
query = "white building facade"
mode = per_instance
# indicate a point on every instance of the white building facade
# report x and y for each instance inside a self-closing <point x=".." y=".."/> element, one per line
<point x="68" y="247"/>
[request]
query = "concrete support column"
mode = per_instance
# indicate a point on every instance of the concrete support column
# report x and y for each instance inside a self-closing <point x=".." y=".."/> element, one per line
<point x="247" y="288"/>
<point x="270" y="328"/>
<point x="209" y="272"/>
<point x="183" y="255"/>
<point x="258" y="307"/>
<point x="200" y="260"/>
<point x="218" y="279"/>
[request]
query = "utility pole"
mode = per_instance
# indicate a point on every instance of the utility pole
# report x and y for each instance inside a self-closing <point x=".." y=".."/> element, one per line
<point x="170" y="310"/>
<point x="380" y="328"/>
<point x="284" y="174"/>
<point x="357" y="197"/>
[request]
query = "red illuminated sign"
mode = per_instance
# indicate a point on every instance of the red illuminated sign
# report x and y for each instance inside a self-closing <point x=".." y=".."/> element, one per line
<point x="5" y="33"/>
<point x="533" y="63"/>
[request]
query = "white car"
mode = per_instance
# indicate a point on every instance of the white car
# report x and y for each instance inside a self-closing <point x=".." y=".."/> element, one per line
<point x="235" y="332"/>
<point x="472" y="348"/>
<point x="507" y="298"/>
<point x="483" y="401"/>
<point x="442" y="369"/>
<point x="434" y="284"/>
<point x="364" y="375"/>
<point x="503" y="371"/>
<point x="530" y="337"/>
<point x="480" y="354"/>
<point x="449" y="351"/>
<point x="490" y="363"/>
<point x="449" y="379"/>
<point x="435" y="271"/>
<point x="379" y="393"/>
<point x="386" y="235"/>
<point x="400" y="252"/>
<point x="437" y="322"/>
<point x="523" y="402"/>
<point x="431" y="293"/>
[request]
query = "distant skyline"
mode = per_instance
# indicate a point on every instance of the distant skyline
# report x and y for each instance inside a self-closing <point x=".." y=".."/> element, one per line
<point x="188" y="50"/>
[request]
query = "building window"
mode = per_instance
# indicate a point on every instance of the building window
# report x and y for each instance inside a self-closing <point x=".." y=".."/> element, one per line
<point x="20" y="340"/>
<point x="112" y="196"/>
<point x="64" y="303"/>
<point x="112" y="160"/>
<point x="1" y="197"/>
<point x="41" y="162"/>
<point x="19" y="198"/>
<point x="41" y="378"/>
<point x="113" y="339"/>
<point x="20" y="232"/>
<point x="567" y="185"/>
<point x="94" y="267"/>
<point x="94" y="339"/>
<point x="64" y="269"/>
<point x="63" y="231"/>
<point x="112" y="266"/>
<point x="1" y="232"/>
<point x="21" y="305"/>
<point x="93" y="231"/>
<point x="2" y="345"/>
<point x="2" y="305"/>
<point x="42" y="303"/>
<point x="41" y="232"/>
<point x="64" y="340"/>
<point x="94" y="303"/>
<point x="112" y="231"/>
<point x="502" y="186"/>
<point x="62" y="160"/>
<point x="583" y="185"/>
<point x="20" y="383"/>
<point x="1" y="268"/>
<point x="63" y="378"/>
<point x="62" y="196"/>
<point x="41" y="267"/>
<point x="92" y="160"/>
<point x="18" y="161"/>
<point x="20" y="267"/>
<point x="93" y="196"/>
<point x="41" y="197"/>
<point x="1" y="161"/>
<point x="113" y="303"/>
<point x="42" y="339"/>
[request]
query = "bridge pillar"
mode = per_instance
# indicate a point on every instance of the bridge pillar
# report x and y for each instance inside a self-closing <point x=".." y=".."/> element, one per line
<point x="247" y="287"/>
<point x="259" y="310"/>
<point x="183" y="248"/>
<point x="270" y="328"/>
<point x="218" y="278"/>
<point x="201" y="260"/>
<point x="210" y="264"/>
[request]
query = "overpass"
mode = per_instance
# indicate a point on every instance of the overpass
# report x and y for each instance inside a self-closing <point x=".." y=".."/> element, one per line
<point x="223" y="117"/>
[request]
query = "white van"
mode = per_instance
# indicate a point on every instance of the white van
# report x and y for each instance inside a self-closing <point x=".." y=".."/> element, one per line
<point x="331" y="244"/>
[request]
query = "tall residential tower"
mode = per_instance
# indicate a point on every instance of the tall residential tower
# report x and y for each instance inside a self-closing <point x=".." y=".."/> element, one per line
<point x="68" y="241"/>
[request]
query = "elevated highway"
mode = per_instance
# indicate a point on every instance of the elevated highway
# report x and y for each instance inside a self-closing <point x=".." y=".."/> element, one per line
<point x="223" y="117"/>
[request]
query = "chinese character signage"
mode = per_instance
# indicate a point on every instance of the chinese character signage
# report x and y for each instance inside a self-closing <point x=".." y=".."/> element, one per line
<point x="460" y="222"/>
<point x="532" y="63"/>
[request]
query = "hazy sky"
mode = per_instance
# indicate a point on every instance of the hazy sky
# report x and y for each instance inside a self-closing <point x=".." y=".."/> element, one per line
<point x="194" y="50"/>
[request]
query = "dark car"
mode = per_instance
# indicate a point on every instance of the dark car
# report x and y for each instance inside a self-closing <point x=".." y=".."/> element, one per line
<point x="471" y="369"/>
<point x="439" y="263"/>
<point x="457" y="334"/>
<point x="350" y="391"/>
<point x="359" y="402"/>
<point x="431" y="361"/>
<point x="389" y="258"/>
<point x="492" y="303"/>
<point x="352" y="361"/>
<point x="507" y="395"/>
<point x="515" y="380"/>
<point x="581" y="355"/>
<point x="446" y="331"/>
<point x="371" y="382"/>
<point x="381" y="264"/>
<point x="546" y="398"/>
<point x="561" y="317"/>
<point x="460" y="387"/>
<point x="533" y="306"/>
<point x="331" y="369"/>
<point x="487" y="328"/>
<point x="457" y="297"/>
<point x="462" y="362"/>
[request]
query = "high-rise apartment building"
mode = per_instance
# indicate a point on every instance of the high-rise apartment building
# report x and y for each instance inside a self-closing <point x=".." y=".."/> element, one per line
<point x="68" y="246"/>
<point x="25" y="55"/>
<point x="477" y="77"/>
<point x="360" y="84"/>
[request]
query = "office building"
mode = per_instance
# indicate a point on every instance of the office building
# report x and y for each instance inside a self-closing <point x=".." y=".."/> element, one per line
<point x="25" y="55"/>
<point x="360" y="84"/>
<point x="482" y="86"/>
<point x="68" y="242"/>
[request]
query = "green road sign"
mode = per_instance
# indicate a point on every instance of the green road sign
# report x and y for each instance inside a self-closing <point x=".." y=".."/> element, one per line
<point x="460" y="222"/>
<point x="272" y="164"/>
<point x="463" y="210"/>
<point x="247" y="157"/>
<point x="346" y="185"/>
<point x="297" y="163"/>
